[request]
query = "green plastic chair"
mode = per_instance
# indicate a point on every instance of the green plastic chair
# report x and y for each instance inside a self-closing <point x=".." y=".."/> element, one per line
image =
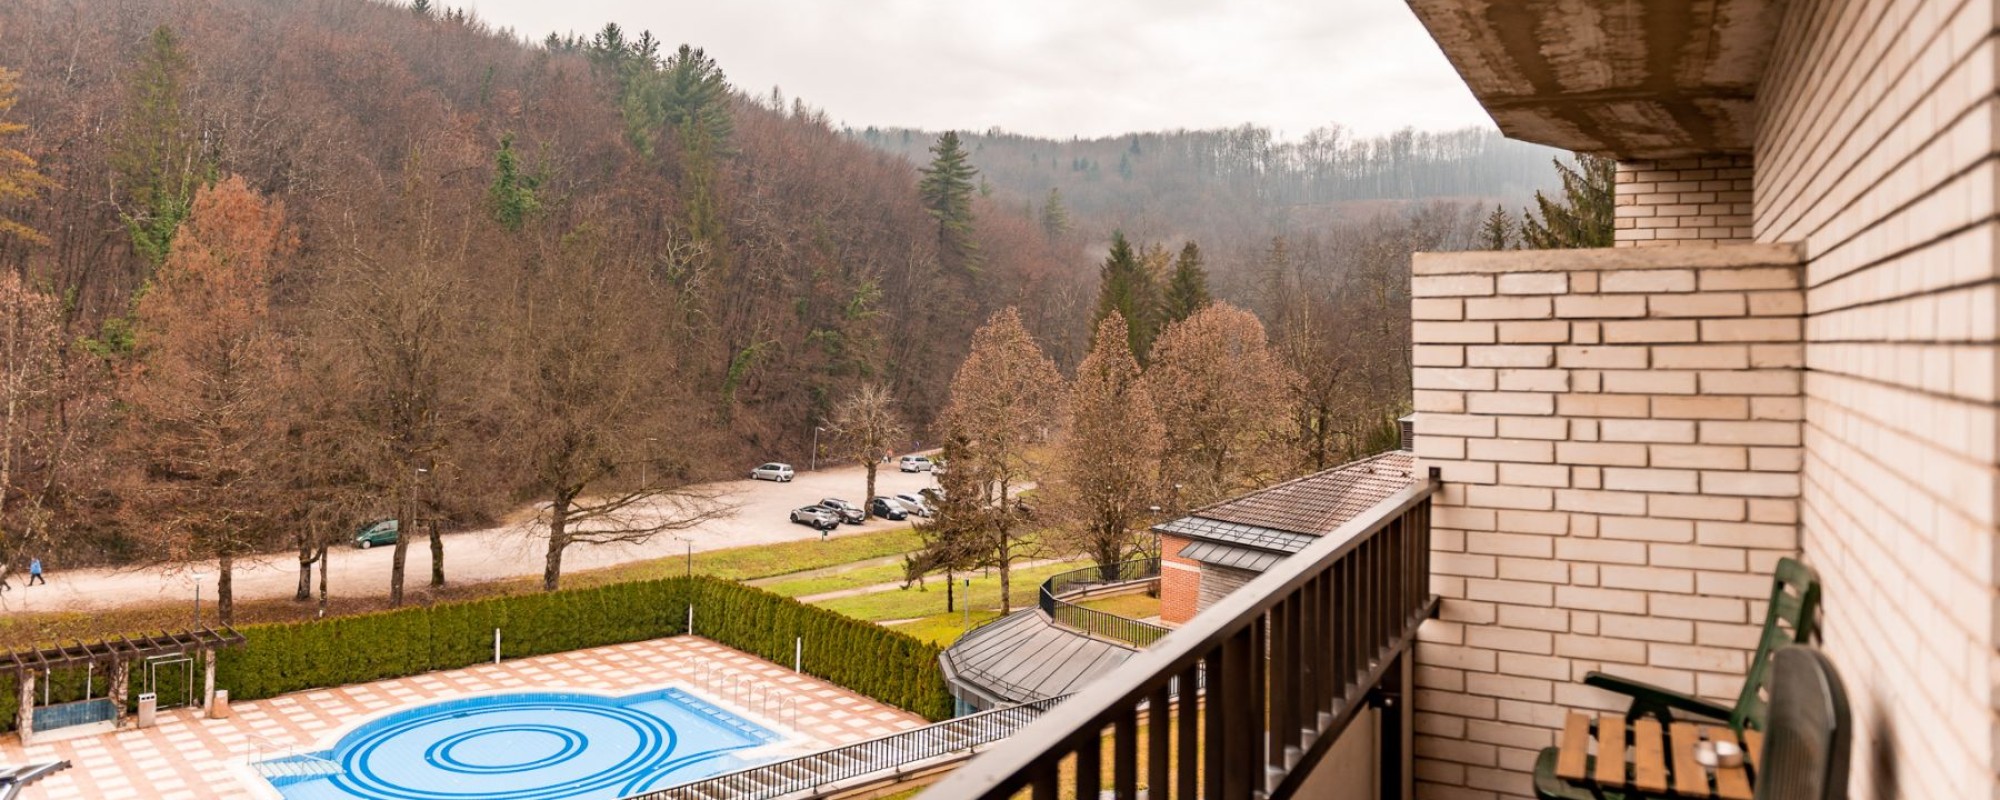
<point x="1788" y="619"/>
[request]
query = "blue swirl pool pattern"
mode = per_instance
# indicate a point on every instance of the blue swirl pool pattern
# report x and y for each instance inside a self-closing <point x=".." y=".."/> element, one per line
<point x="539" y="746"/>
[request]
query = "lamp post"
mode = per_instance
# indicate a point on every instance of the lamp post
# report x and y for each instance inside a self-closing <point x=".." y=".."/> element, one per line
<point x="198" y="575"/>
<point x="817" y="430"/>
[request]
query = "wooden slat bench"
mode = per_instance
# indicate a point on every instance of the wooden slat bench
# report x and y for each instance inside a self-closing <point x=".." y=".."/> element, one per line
<point x="1644" y="757"/>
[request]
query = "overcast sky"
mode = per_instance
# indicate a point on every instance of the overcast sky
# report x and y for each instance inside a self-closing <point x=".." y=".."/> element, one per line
<point x="1056" y="67"/>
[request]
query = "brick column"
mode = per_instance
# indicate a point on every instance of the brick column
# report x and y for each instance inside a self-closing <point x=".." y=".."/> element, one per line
<point x="1619" y="435"/>
<point x="1685" y="202"/>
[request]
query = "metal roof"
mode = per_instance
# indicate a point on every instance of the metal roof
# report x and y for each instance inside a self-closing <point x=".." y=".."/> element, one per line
<point x="1226" y="555"/>
<point x="1291" y="514"/>
<point x="1024" y="657"/>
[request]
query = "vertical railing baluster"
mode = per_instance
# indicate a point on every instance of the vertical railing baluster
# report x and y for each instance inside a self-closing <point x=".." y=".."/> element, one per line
<point x="1159" y="728"/>
<point x="1279" y="666"/>
<point x="1215" y="702"/>
<point x="1090" y="764"/>
<point x="1125" y="754"/>
<point x="1187" y="747"/>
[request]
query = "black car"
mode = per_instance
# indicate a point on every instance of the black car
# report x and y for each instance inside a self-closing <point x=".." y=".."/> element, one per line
<point x="887" y="509"/>
<point x="848" y="512"/>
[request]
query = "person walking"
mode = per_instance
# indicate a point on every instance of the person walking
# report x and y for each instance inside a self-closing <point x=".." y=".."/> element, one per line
<point x="35" y="572"/>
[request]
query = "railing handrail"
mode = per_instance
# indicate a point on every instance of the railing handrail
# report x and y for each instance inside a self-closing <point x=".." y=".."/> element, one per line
<point x="1133" y="682"/>
<point x="1138" y="633"/>
<point x="931" y="741"/>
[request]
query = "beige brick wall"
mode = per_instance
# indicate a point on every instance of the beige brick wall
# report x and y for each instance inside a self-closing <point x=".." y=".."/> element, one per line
<point x="1698" y="202"/>
<point x="1620" y="439"/>
<point x="1875" y="151"/>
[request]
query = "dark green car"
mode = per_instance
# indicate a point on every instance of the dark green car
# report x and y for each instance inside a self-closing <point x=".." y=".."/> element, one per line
<point x="381" y="531"/>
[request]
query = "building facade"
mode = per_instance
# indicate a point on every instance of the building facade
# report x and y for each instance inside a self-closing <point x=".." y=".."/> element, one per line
<point x="1792" y="350"/>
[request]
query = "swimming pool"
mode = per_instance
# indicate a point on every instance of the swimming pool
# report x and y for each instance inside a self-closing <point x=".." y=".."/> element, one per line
<point x="531" y="746"/>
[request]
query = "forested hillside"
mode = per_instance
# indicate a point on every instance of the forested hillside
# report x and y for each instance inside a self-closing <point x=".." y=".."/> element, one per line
<point x="271" y="267"/>
<point x="437" y="188"/>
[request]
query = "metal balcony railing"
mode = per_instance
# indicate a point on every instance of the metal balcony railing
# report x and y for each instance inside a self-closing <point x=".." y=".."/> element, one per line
<point x="809" y="775"/>
<point x="1286" y="662"/>
<point x="1093" y="621"/>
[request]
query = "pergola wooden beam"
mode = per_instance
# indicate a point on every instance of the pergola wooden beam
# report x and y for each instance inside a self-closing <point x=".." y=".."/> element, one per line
<point x="79" y="653"/>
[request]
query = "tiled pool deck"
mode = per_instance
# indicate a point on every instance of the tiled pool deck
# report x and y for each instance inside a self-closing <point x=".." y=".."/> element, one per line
<point x="189" y="757"/>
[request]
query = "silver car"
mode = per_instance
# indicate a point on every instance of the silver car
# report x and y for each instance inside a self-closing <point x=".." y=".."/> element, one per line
<point x="822" y="518"/>
<point x="916" y="504"/>
<point x="773" y="471"/>
<point x="914" y="464"/>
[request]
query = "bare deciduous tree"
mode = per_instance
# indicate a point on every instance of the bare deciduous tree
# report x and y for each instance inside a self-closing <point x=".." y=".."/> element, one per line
<point x="31" y="373"/>
<point x="1215" y="377"/>
<point x="1109" y="464"/>
<point x="587" y="381"/>
<point x="1006" y="400"/>
<point x="866" y="427"/>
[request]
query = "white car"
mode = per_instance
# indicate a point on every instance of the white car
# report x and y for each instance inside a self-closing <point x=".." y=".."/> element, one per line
<point x="915" y="464"/>
<point x="916" y="504"/>
<point x="773" y="471"/>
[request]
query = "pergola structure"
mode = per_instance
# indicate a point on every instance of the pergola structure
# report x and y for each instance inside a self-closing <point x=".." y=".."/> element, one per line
<point x="118" y="655"/>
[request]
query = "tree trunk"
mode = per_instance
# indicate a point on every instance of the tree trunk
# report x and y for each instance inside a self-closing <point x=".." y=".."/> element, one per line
<point x="437" y="555"/>
<point x="868" y="500"/>
<point x="322" y="579"/>
<point x="558" y="540"/>
<point x="305" y="571"/>
<point x="225" y="594"/>
<point x="402" y="549"/>
<point x="949" y="582"/>
<point x="1005" y="552"/>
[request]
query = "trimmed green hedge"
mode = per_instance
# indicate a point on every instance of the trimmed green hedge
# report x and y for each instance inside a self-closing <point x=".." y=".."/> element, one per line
<point x="276" y="659"/>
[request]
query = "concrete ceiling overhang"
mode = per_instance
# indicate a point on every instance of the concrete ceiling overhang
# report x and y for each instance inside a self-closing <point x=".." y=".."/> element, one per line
<point x="1626" y="78"/>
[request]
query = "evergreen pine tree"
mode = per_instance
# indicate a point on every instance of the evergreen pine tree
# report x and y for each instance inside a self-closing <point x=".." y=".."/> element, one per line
<point x="1583" y="217"/>
<point x="946" y="191"/>
<point x="1497" y="232"/>
<point x="511" y="198"/>
<point x="423" y="8"/>
<point x="1126" y="288"/>
<point x="153" y="157"/>
<point x="1187" y="291"/>
<point x="1055" y="216"/>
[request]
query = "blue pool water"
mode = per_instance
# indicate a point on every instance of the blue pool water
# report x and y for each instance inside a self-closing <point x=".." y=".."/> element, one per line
<point x="539" y="746"/>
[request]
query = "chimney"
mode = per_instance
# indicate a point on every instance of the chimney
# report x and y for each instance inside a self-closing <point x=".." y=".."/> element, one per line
<point x="1409" y="426"/>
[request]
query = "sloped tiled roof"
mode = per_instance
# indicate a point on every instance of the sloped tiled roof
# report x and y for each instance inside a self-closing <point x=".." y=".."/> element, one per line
<point x="1286" y="517"/>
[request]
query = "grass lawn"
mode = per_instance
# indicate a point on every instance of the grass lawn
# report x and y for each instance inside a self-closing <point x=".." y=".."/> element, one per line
<point x="845" y="579"/>
<point x="1136" y="605"/>
<point x="915" y="602"/>
<point x="737" y="563"/>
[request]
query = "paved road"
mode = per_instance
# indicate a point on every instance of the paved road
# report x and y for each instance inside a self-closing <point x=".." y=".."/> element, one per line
<point x="761" y="517"/>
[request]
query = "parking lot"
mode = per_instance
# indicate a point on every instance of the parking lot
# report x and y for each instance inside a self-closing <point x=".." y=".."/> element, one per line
<point x="761" y="515"/>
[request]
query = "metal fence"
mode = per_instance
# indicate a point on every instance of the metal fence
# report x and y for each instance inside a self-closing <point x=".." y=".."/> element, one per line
<point x="1093" y="621"/>
<point x="861" y="759"/>
<point x="1284" y="663"/>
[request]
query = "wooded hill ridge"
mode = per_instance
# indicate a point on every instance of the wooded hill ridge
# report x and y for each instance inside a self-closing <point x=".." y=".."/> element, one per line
<point x="450" y="223"/>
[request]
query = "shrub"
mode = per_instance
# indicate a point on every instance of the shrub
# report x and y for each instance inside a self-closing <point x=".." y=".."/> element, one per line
<point x="276" y="659"/>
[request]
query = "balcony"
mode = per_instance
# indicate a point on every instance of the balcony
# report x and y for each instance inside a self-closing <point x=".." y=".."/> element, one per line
<point x="1251" y="697"/>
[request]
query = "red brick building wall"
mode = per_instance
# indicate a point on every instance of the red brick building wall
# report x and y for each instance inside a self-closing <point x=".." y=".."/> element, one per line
<point x="1180" y="582"/>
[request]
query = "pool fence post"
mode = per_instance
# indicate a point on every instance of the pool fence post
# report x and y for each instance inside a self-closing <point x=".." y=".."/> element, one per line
<point x="798" y="653"/>
<point x="496" y="645"/>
